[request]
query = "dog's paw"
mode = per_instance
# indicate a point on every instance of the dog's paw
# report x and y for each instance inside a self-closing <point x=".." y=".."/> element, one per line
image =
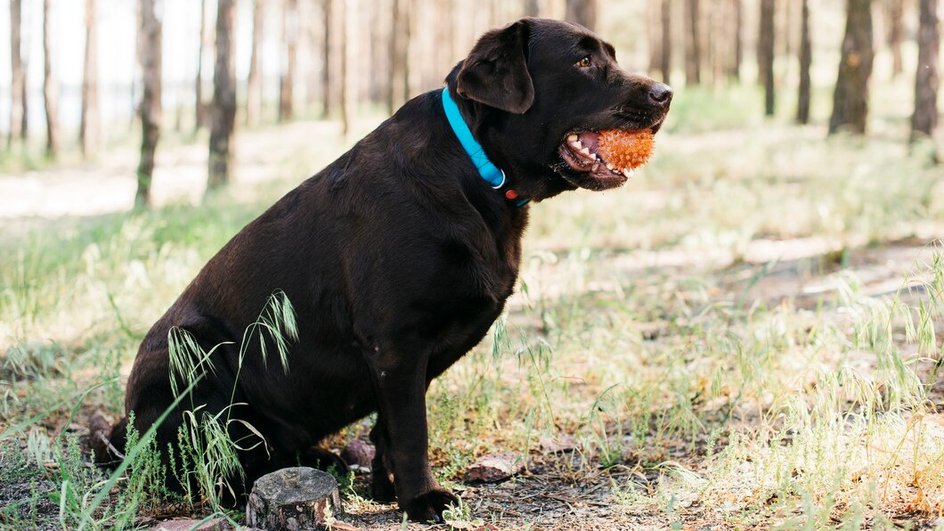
<point x="430" y="506"/>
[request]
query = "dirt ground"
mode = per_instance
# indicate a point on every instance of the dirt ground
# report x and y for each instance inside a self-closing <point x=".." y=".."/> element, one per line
<point x="556" y="490"/>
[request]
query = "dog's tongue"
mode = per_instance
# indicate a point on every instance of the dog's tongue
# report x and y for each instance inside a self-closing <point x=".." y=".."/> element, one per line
<point x="626" y="150"/>
<point x="590" y="140"/>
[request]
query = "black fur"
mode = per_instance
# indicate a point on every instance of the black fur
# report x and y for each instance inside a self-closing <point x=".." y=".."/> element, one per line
<point x="397" y="258"/>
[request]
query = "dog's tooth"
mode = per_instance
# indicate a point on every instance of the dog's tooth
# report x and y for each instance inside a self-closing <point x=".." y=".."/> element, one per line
<point x="610" y="167"/>
<point x="577" y="144"/>
<point x="585" y="151"/>
<point x="596" y="166"/>
<point x="572" y="138"/>
<point x="629" y="173"/>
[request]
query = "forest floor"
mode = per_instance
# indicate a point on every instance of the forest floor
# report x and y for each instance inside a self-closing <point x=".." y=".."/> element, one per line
<point x="748" y="335"/>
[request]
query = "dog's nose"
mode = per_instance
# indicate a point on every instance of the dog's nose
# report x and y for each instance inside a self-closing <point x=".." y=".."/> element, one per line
<point x="660" y="94"/>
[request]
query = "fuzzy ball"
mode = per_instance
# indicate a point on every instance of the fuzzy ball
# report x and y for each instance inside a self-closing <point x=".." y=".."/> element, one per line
<point x="626" y="149"/>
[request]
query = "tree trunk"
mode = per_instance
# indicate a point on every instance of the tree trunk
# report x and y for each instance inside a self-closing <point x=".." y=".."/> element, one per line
<point x="765" y="54"/>
<point x="50" y="90"/>
<point x="654" y="34"/>
<point x="223" y="108"/>
<point x="851" y="97"/>
<point x="924" y="119"/>
<point x="784" y="28"/>
<point x="398" y="88"/>
<point x="149" y="60"/>
<point x="293" y="498"/>
<point x="199" y="107"/>
<point x="18" y="76"/>
<point x="89" y="126"/>
<point x="290" y="41"/>
<point x="347" y="96"/>
<point x="734" y="71"/>
<point x="666" y="66"/>
<point x="313" y="39"/>
<point x="896" y="9"/>
<point x="327" y="64"/>
<point x="254" y="81"/>
<point x="806" y="59"/>
<point x="583" y="12"/>
<point x="532" y="8"/>
<point x="712" y="40"/>
<point x="693" y="45"/>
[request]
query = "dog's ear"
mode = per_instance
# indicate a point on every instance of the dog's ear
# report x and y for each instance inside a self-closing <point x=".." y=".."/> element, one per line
<point x="496" y="71"/>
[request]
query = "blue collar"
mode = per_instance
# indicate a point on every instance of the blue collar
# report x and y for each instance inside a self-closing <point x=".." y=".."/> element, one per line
<point x="491" y="173"/>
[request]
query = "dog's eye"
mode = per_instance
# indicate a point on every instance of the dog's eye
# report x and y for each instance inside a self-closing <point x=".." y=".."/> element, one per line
<point x="584" y="63"/>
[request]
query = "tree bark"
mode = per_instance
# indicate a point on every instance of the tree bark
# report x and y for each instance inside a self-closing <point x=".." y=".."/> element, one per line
<point x="89" y="126"/>
<point x="50" y="88"/>
<point x="765" y="55"/>
<point x="347" y="96"/>
<point x="666" y="66"/>
<point x="149" y="110"/>
<point x="713" y="42"/>
<point x="924" y="119"/>
<point x="18" y="75"/>
<point x="223" y="108"/>
<point x="532" y="8"/>
<point x="290" y="42"/>
<point x="851" y="97"/>
<point x="583" y="12"/>
<point x="693" y="45"/>
<point x="254" y="81"/>
<point x="398" y="88"/>
<point x="896" y="31"/>
<point x="200" y="110"/>
<point x="734" y="71"/>
<point x="293" y="498"/>
<point x="784" y="28"/>
<point x="313" y="39"/>
<point x="327" y="78"/>
<point x="654" y="34"/>
<point x="806" y="60"/>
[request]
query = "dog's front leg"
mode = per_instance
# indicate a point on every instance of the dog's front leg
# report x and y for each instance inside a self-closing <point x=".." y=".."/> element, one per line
<point x="399" y="383"/>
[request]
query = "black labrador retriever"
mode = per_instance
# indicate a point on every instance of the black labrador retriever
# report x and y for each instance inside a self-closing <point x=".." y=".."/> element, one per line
<point x="397" y="257"/>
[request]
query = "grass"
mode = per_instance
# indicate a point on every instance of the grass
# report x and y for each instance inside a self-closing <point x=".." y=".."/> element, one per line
<point x="719" y="339"/>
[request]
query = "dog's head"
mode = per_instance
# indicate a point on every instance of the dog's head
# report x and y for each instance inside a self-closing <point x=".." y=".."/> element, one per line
<point x="538" y="93"/>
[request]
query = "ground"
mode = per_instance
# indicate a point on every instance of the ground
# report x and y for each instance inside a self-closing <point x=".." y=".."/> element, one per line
<point x="746" y="335"/>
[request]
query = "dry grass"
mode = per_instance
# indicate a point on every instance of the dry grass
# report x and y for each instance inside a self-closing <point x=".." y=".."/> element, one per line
<point x="742" y="338"/>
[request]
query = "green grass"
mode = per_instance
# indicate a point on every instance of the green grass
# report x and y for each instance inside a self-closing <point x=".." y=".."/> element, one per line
<point x="671" y="327"/>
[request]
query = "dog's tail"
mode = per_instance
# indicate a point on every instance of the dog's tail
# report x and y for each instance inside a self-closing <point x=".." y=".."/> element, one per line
<point x="107" y="442"/>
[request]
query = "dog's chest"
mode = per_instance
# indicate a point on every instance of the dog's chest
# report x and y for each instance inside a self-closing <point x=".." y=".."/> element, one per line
<point x="488" y="282"/>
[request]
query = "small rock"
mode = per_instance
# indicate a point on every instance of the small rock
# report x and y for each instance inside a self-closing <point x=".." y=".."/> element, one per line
<point x="557" y="444"/>
<point x="295" y="499"/>
<point x="495" y="467"/>
<point x="188" y="524"/>
<point x="358" y="453"/>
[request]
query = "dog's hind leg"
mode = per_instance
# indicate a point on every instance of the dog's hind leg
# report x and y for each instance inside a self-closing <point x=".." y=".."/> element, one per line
<point x="381" y="476"/>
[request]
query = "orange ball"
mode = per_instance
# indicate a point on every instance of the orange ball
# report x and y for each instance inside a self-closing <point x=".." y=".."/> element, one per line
<point x="626" y="149"/>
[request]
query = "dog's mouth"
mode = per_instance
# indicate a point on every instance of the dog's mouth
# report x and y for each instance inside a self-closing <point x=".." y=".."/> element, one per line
<point x="599" y="160"/>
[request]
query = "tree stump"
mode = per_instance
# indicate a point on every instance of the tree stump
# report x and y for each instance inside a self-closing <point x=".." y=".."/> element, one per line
<point x="294" y="499"/>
